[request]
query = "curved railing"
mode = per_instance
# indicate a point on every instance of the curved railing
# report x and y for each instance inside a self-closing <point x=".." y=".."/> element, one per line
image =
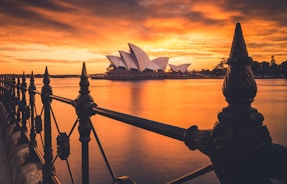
<point x="85" y="108"/>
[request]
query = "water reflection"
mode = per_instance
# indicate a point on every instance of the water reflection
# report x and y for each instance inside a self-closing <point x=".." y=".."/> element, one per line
<point x="145" y="156"/>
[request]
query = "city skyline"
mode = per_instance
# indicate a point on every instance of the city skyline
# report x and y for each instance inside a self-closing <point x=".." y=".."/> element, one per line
<point x="63" y="34"/>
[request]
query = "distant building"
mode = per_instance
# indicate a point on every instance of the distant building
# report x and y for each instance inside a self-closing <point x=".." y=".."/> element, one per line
<point x="179" y="68"/>
<point x="136" y="65"/>
<point x="137" y="60"/>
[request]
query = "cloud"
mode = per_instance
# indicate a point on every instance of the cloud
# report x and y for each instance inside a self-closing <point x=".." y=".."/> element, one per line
<point x="259" y="9"/>
<point x="31" y="14"/>
<point x="73" y="30"/>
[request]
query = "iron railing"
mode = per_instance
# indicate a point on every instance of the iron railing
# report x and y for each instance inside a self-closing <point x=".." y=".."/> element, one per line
<point x="85" y="108"/>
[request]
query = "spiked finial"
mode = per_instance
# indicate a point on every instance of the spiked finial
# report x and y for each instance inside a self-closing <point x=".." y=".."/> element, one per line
<point x="24" y="84"/>
<point x="23" y="77"/>
<point x="238" y="48"/>
<point x="238" y="51"/>
<point x="46" y="79"/>
<point x="32" y="84"/>
<point x="32" y="76"/>
<point x="84" y="83"/>
<point x="239" y="85"/>
<point x="18" y="82"/>
<point x="84" y="70"/>
<point x="14" y="83"/>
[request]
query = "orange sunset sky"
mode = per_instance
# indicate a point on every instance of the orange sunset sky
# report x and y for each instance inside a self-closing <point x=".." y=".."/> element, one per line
<point x="63" y="34"/>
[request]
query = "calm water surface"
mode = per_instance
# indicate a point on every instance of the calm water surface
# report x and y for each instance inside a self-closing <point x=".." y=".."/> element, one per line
<point x="144" y="156"/>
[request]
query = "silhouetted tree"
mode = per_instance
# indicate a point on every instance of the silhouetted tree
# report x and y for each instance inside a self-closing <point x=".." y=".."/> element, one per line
<point x="283" y="69"/>
<point x="220" y="68"/>
<point x="205" y="72"/>
<point x="264" y="68"/>
<point x="256" y="68"/>
<point x="274" y="69"/>
<point x="259" y="69"/>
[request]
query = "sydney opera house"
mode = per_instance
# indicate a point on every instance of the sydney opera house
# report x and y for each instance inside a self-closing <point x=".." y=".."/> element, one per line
<point x="137" y="65"/>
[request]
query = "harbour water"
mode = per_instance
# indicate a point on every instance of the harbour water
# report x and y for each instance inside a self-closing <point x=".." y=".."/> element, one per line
<point x="145" y="156"/>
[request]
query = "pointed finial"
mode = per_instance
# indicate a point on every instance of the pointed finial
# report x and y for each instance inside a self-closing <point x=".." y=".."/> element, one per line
<point x="32" y="83"/>
<point x="23" y="84"/>
<point x="32" y="76"/>
<point x="84" y="99"/>
<point x="84" y="83"/>
<point x="238" y="51"/>
<point x="84" y="70"/>
<point x="239" y="84"/>
<point x="46" y="89"/>
<point x="18" y="81"/>
<point x="238" y="48"/>
<point x="23" y="77"/>
<point x="46" y="79"/>
<point x="14" y="80"/>
<point x="46" y="70"/>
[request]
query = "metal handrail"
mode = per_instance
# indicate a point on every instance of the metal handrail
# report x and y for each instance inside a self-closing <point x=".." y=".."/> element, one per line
<point x="157" y="127"/>
<point x="153" y="126"/>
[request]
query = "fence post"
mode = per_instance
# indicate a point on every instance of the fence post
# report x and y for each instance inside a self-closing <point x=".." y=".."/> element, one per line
<point x="23" y="104"/>
<point x="5" y="92"/>
<point x="242" y="148"/>
<point x="32" y="142"/>
<point x="83" y="104"/>
<point x="48" y="170"/>
<point x="8" y="95"/>
<point x="18" y="86"/>
<point x="14" y="100"/>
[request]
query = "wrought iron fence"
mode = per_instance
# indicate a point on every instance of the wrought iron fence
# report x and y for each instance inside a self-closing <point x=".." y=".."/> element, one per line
<point x="14" y="93"/>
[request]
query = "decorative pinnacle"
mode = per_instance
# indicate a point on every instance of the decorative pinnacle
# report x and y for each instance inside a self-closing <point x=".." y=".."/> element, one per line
<point x="238" y="53"/>
<point x="84" y="70"/>
<point x="23" y="77"/>
<point x="14" y="80"/>
<point x="84" y="101"/>
<point x="18" y="82"/>
<point x="46" y="79"/>
<point x="84" y="83"/>
<point x="239" y="85"/>
<point x="238" y="48"/>
<point x="32" y="84"/>
<point x="32" y="76"/>
<point x="24" y="84"/>
<point x="46" y="89"/>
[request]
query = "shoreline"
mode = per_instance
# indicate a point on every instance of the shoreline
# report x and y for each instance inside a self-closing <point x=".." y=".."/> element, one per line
<point x="104" y="77"/>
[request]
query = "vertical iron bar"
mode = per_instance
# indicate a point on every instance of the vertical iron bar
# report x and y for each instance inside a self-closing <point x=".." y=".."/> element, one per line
<point x="14" y="99"/>
<point x="83" y="105"/>
<point x="8" y="94"/>
<point x="32" y="143"/>
<point x="18" y="86"/>
<point x="8" y="97"/>
<point x="48" y="170"/>
<point x="23" y="103"/>
<point x="5" y="89"/>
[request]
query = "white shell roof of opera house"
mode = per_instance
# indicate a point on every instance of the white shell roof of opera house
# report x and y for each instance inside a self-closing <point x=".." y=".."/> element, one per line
<point x="137" y="59"/>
